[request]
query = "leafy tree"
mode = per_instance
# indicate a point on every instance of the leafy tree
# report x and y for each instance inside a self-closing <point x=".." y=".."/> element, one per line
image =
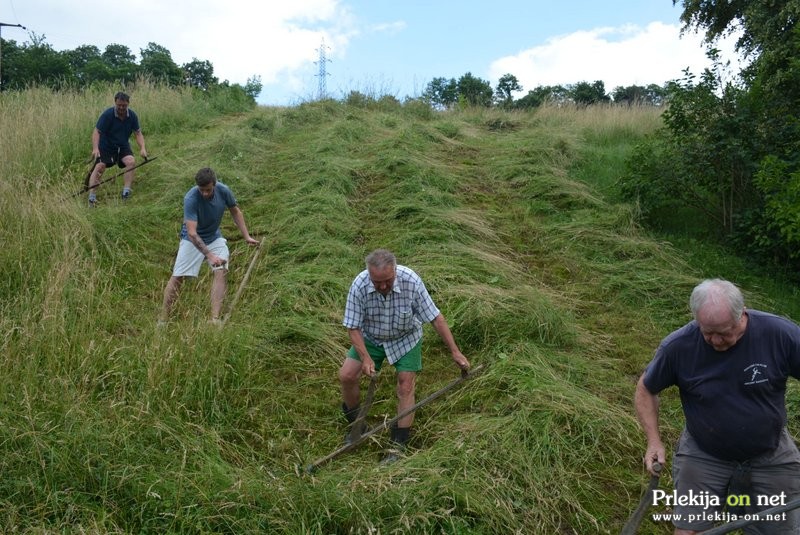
<point x="708" y="157"/>
<point x="10" y="53"/>
<point x="199" y="74"/>
<point x="441" y="92"/>
<point x="770" y="38"/>
<point x="474" y="91"/>
<point x="553" y="94"/>
<point x="253" y="86"/>
<point x="121" y="62"/>
<point x="653" y="95"/>
<point x="34" y="63"/>
<point x="87" y="65"/>
<point x="584" y="93"/>
<point x="157" y="62"/>
<point x="506" y="85"/>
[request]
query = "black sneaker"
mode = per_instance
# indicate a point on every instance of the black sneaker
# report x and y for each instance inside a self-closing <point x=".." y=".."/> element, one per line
<point x="92" y="203"/>
<point x="126" y="194"/>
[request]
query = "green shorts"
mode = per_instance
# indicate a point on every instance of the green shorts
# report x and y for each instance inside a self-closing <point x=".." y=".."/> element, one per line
<point x="410" y="362"/>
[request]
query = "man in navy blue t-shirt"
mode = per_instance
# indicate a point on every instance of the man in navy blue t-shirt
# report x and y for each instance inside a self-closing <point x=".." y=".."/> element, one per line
<point x="201" y="239"/>
<point x="730" y="366"/>
<point x="111" y="145"/>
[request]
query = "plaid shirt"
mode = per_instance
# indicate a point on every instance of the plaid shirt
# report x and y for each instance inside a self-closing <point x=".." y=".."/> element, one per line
<point x="393" y="321"/>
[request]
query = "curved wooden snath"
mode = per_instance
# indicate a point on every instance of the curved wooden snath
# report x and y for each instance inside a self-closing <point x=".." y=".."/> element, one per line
<point x="87" y="187"/>
<point x="244" y="281"/>
<point x="388" y="423"/>
<point x="632" y="525"/>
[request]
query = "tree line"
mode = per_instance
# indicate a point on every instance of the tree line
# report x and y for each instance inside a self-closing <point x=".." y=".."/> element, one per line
<point x="36" y="63"/>
<point x="443" y="93"/>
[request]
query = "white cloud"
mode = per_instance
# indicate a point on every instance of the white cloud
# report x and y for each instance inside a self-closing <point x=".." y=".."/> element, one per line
<point x="241" y="38"/>
<point x="622" y="56"/>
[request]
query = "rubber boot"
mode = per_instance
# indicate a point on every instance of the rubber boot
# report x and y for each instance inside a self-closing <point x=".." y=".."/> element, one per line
<point x="399" y="438"/>
<point x="351" y="415"/>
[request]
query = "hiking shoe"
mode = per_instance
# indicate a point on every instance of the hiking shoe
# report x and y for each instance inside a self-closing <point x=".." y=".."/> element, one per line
<point x="126" y="194"/>
<point x="392" y="455"/>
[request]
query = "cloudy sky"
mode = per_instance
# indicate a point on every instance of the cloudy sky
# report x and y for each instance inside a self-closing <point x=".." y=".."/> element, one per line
<point x="381" y="46"/>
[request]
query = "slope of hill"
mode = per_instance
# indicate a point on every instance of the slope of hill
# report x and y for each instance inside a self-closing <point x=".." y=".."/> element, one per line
<point x="110" y="425"/>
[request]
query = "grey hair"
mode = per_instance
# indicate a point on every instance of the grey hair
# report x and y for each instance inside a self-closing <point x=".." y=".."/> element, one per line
<point x="381" y="258"/>
<point x="717" y="291"/>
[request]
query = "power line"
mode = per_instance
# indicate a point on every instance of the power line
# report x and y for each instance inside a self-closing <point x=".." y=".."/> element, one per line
<point x="323" y="73"/>
<point x="1" y="46"/>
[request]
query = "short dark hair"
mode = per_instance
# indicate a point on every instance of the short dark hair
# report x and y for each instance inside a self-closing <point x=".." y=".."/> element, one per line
<point x="205" y="176"/>
<point x="122" y="96"/>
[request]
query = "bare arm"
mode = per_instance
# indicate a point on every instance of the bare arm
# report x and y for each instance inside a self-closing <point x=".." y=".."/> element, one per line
<point x="95" y="143"/>
<point x="140" y="141"/>
<point x="238" y="218"/>
<point x="646" y="404"/>
<point x="440" y="324"/>
<point x="357" y="339"/>
<point x="194" y="237"/>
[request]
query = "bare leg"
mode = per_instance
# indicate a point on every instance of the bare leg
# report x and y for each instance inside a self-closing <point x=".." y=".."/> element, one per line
<point x="406" y="383"/>
<point x="349" y="379"/>
<point x="94" y="178"/>
<point x="170" y="294"/>
<point x="218" y="288"/>
<point x="127" y="179"/>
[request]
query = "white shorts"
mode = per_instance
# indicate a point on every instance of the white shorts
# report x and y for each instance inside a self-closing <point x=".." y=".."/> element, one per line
<point x="189" y="259"/>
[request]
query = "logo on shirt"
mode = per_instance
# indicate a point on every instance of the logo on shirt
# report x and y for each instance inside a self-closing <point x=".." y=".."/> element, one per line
<point x="755" y="373"/>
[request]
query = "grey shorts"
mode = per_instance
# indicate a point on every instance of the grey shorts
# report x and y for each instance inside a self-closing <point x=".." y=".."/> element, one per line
<point x="189" y="258"/>
<point x="774" y="480"/>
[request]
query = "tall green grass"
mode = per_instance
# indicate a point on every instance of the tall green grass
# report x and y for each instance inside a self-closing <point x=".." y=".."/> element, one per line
<point x="110" y="425"/>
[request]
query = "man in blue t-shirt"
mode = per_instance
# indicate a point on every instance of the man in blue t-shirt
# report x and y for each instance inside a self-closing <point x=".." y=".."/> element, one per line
<point x="730" y="366"/>
<point x="111" y="146"/>
<point x="201" y="239"/>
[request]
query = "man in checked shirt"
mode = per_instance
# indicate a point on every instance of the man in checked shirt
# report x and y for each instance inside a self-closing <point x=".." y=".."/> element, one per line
<point x="386" y="307"/>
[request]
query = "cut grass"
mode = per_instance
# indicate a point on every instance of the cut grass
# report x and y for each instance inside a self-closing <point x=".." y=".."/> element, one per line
<point x="110" y="425"/>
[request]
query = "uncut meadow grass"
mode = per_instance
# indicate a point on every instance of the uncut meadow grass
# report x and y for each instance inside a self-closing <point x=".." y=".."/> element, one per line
<point x="109" y="425"/>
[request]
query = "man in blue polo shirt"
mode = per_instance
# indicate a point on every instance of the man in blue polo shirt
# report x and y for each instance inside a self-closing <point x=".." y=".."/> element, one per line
<point x="730" y="366"/>
<point x="201" y="239"/>
<point x="111" y="145"/>
<point x="386" y="307"/>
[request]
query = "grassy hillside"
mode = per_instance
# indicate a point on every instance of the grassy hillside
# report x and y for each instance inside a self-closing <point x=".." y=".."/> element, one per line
<point x="111" y="425"/>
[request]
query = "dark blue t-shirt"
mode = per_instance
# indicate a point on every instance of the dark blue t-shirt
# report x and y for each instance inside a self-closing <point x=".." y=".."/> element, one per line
<point x="114" y="133"/>
<point x="734" y="400"/>
<point x="207" y="212"/>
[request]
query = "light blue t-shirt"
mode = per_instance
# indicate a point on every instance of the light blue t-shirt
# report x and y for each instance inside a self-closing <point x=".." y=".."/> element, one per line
<point x="207" y="212"/>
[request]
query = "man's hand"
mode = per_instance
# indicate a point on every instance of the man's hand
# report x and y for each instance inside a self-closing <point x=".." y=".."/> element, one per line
<point x="655" y="453"/>
<point x="215" y="261"/>
<point x="460" y="360"/>
<point x="368" y="367"/>
<point x="251" y="241"/>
